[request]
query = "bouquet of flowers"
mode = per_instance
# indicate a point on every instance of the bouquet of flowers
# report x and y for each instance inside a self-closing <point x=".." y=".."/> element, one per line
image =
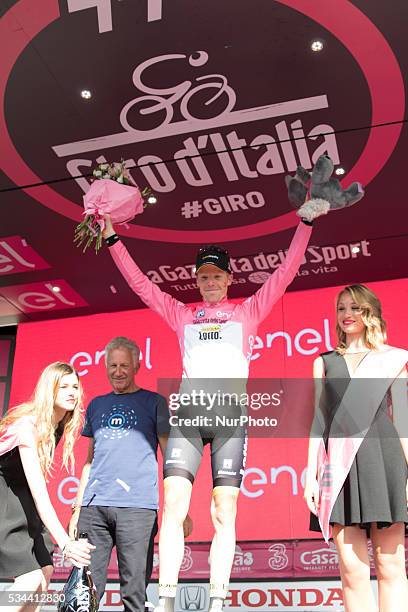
<point x="115" y="193"/>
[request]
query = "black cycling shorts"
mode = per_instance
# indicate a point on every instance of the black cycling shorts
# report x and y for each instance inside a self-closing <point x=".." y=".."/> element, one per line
<point x="192" y="429"/>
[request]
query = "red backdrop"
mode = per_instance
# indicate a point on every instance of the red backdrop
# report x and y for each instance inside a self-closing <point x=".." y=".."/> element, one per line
<point x="271" y="504"/>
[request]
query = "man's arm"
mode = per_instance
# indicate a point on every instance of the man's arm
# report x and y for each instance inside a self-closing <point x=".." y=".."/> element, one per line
<point x="164" y="304"/>
<point x="72" y="527"/>
<point x="260" y="304"/>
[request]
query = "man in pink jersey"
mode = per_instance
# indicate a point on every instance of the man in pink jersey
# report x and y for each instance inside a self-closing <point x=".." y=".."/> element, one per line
<point x="216" y="340"/>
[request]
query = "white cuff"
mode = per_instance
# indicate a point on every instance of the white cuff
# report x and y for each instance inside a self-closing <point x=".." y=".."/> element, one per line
<point x="314" y="208"/>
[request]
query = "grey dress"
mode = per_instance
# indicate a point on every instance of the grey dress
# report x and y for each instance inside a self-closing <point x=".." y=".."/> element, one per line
<point x="374" y="490"/>
<point x="25" y="544"/>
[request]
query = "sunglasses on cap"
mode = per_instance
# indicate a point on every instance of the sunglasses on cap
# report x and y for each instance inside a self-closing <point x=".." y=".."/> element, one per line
<point x="213" y="255"/>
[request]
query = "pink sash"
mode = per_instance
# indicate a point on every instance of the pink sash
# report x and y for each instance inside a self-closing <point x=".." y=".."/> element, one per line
<point x="351" y="423"/>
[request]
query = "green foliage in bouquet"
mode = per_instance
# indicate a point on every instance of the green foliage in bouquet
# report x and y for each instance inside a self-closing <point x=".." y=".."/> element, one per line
<point x="87" y="231"/>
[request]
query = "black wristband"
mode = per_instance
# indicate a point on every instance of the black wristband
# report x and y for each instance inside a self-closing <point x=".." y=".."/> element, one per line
<point x="111" y="240"/>
<point x="306" y="222"/>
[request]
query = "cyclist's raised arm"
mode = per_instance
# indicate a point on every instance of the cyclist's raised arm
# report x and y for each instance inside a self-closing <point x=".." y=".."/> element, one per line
<point x="164" y="304"/>
<point x="260" y="304"/>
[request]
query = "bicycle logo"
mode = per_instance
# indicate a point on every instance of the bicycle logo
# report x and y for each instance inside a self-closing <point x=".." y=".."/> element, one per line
<point x="211" y="94"/>
<point x="160" y="103"/>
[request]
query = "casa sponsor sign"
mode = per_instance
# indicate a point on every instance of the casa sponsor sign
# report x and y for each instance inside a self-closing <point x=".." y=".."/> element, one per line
<point x="251" y="560"/>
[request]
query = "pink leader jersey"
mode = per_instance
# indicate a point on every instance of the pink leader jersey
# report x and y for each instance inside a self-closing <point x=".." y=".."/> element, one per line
<point x="216" y="340"/>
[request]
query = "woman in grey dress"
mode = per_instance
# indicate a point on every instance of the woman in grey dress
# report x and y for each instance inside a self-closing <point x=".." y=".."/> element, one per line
<point x="372" y="502"/>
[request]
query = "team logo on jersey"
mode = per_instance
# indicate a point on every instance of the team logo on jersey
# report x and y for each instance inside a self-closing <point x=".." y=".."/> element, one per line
<point x="200" y="313"/>
<point x="210" y="332"/>
<point x="223" y="315"/>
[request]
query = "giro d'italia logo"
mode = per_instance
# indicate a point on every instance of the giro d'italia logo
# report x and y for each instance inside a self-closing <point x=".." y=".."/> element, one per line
<point x="205" y="123"/>
<point x="118" y="422"/>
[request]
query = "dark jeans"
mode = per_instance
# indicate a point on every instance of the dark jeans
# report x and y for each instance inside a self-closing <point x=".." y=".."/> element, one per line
<point x="132" y="531"/>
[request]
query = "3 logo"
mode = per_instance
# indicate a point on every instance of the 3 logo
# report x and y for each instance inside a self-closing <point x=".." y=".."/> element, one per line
<point x="187" y="562"/>
<point x="279" y="558"/>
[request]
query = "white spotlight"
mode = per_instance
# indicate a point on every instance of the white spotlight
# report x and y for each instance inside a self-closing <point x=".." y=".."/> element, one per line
<point x="86" y="94"/>
<point x="316" y="46"/>
<point x="340" y="171"/>
<point x="151" y="199"/>
<point x="355" y="249"/>
<point x="56" y="289"/>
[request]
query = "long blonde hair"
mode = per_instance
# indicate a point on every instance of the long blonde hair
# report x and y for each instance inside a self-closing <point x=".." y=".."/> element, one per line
<point x="371" y="314"/>
<point x="41" y="406"/>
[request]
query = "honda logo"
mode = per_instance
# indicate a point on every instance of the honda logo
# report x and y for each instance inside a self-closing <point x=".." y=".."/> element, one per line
<point x="193" y="598"/>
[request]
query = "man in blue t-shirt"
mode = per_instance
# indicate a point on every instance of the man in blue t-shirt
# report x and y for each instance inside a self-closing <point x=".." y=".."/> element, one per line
<point x="118" y="495"/>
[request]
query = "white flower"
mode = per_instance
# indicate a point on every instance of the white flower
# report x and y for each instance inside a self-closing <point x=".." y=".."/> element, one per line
<point x="103" y="166"/>
<point x="106" y="176"/>
<point x="119" y="179"/>
<point x="97" y="173"/>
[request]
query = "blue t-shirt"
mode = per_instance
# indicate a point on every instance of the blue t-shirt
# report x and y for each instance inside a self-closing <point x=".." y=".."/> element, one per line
<point x="125" y="428"/>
